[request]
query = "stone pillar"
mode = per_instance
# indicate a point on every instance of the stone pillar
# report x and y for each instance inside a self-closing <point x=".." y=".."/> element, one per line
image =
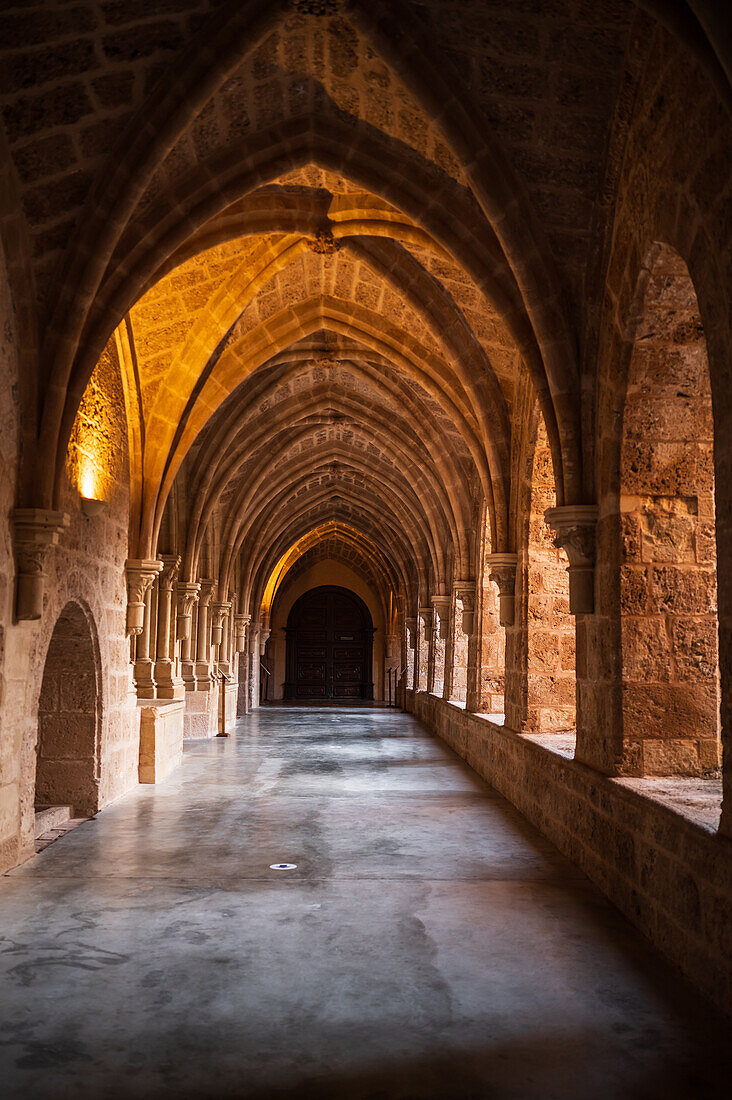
<point x="426" y="649"/>
<point x="141" y="572"/>
<point x="440" y="636"/>
<point x="187" y="594"/>
<point x="168" y="684"/>
<point x="35" y="531"/>
<point x="203" y="641"/>
<point x="254" y="667"/>
<point x="412" y="651"/>
<point x="242" y="644"/>
<point x="219" y="612"/>
<point x="143" y="671"/>
<point x="464" y="677"/>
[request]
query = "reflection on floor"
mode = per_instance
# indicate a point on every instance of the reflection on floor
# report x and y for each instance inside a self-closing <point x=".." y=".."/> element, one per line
<point x="428" y="944"/>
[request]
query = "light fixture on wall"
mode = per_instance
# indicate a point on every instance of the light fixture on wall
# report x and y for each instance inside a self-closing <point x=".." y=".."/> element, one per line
<point x="91" y="507"/>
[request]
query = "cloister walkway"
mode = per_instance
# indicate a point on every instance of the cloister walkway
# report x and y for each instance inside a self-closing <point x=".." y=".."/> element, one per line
<point x="428" y="944"/>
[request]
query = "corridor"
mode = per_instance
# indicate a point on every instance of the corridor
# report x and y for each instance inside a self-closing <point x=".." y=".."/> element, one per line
<point x="428" y="944"/>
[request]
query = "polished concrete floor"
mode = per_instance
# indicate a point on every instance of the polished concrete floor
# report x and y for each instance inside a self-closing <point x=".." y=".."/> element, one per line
<point x="429" y="943"/>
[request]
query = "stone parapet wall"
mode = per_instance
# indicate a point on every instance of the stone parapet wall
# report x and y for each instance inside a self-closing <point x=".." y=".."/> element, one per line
<point x="201" y="715"/>
<point x="669" y="876"/>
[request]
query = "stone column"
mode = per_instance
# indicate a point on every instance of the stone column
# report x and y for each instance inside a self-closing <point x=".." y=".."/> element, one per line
<point x="465" y="660"/>
<point x="203" y="641"/>
<point x="391" y="664"/>
<point x="143" y="671"/>
<point x="224" y="657"/>
<point x="440" y="636"/>
<point x="35" y="531"/>
<point x="412" y="650"/>
<point x="187" y="598"/>
<point x="140" y="572"/>
<point x="241" y="623"/>
<point x="219" y="609"/>
<point x="426" y="649"/>
<point x="168" y="684"/>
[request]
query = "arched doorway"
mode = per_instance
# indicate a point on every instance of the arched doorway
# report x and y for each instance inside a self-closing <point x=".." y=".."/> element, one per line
<point x="69" y="710"/>
<point x="329" y="646"/>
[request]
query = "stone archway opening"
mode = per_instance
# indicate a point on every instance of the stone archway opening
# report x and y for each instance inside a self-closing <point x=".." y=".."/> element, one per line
<point x="550" y="628"/>
<point x="668" y="580"/>
<point x="69" y="712"/>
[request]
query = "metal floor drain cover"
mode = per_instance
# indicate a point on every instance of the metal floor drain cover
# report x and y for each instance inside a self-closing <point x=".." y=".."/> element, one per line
<point x="282" y="866"/>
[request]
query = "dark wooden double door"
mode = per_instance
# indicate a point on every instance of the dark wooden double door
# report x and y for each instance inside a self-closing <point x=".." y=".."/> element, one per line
<point x="329" y="647"/>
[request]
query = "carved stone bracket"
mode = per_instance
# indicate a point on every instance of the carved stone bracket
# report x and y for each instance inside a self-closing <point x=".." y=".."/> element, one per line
<point x="465" y="592"/>
<point x="35" y="531"/>
<point x="324" y="243"/>
<point x="241" y="622"/>
<point x="219" y="611"/>
<point x="187" y="593"/>
<point x="574" y="526"/>
<point x="503" y="574"/>
<point x="141" y="572"/>
<point x="411" y="625"/>
<point x="441" y="604"/>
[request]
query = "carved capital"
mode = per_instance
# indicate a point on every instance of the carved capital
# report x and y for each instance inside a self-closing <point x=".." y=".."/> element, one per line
<point x="35" y="531"/>
<point x="219" y="611"/>
<point x="141" y="572"/>
<point x="241" y="622"/>
<point x="207" y="590"/>
<point x="503" y="574"/>
<point x="465" y="592"/>
<point x="169" y="572"/>
<point x="263" y="638"/>
<point x="187" y="592"/>
<point x="411" y="625"/>
<point x="441" y="605"/>
<point x="574" y="526"/>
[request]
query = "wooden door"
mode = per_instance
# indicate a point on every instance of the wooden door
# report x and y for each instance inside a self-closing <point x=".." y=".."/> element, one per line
<point x="329" y="647"/>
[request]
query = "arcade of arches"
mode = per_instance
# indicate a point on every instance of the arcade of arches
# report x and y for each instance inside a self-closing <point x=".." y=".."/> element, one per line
<point x="360" y="347"/>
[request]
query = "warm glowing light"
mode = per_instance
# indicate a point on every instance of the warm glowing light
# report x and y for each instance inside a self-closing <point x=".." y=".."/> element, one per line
<point x="87" y="482"/>
<point x="289" y="558"/>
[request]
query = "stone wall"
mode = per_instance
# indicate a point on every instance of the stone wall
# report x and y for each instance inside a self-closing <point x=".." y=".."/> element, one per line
<point x="87" y="569"/>
<point x="672" y="878"/>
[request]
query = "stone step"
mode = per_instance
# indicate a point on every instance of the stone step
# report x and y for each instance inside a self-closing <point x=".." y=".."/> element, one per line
<point x="51" y="817"/>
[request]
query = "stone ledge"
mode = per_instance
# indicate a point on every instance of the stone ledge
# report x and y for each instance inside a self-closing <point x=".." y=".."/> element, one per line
<point x="161" y="738"/>
<point x="666" y="872"/>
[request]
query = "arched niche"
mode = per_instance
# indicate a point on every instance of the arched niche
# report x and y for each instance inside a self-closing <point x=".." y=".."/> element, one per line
<point x="668" y="581"/>
<point x="69" y="716"/>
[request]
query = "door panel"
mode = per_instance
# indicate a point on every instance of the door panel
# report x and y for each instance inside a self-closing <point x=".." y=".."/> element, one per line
<point x="329" y="645"/>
